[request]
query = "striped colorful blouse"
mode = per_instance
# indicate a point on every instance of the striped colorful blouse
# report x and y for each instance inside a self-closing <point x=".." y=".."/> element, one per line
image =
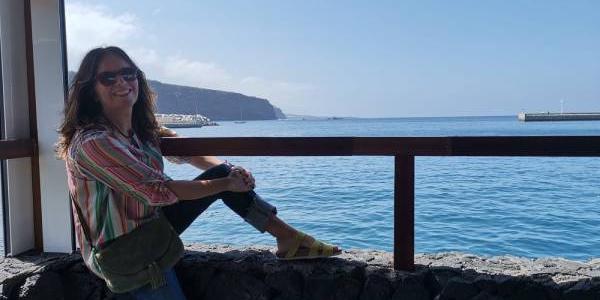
<point x="117" y="182"/>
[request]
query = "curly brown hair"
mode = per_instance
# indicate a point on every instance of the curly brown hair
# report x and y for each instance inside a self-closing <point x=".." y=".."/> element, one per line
<point x="83" y="110"/>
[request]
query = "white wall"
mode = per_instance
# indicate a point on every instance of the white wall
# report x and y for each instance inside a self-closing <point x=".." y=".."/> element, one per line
<point x="48" y="65"/>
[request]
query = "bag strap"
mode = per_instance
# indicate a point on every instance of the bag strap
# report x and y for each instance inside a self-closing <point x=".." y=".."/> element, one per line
<point x="84" y="225"/>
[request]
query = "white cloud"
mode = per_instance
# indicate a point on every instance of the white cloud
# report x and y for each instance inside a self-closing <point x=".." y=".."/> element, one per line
<point x="90" y="26"/>
<point x="196" y="73"/>
<point x="272" y="89"/>
<point x="145" y="57"/>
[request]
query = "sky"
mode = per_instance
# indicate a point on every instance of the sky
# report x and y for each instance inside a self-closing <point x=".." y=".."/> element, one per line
<point x="361" y="58"/>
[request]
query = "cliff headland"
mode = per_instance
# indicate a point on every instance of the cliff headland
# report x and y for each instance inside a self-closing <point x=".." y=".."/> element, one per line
<point x="214" y="104"/>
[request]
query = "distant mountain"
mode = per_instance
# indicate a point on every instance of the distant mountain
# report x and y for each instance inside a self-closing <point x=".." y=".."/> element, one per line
<point x="214" y="104"/>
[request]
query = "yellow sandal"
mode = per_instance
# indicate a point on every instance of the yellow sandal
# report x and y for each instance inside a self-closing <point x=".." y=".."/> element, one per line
<point x="318" y="249"/>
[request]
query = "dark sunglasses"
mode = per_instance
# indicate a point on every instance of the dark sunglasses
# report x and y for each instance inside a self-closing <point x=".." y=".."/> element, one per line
<point x="110" y="78"/>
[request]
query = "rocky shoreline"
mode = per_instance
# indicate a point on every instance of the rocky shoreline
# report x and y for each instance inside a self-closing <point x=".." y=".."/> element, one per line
<point x="225" y="272"/>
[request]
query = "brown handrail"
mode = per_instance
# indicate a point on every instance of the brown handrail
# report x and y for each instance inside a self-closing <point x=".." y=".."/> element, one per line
<point x="404" y="149"/>
<point x="16" y="148"/>
<point x="417" y="146"/>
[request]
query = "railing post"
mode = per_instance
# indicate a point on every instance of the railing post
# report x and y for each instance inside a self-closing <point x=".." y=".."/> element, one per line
<point x="404" y="212"/>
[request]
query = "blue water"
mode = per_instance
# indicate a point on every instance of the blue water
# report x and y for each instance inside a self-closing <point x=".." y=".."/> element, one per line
<point x="532" y="207"/>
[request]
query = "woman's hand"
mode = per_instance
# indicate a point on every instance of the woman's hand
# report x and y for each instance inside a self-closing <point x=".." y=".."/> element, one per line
<point x="240" y="180"/>
<point x="248" y="178"/>
<point x="166" y="132"/>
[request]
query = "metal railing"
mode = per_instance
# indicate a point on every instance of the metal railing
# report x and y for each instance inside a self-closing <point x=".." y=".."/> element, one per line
<point x="404" y="149"/>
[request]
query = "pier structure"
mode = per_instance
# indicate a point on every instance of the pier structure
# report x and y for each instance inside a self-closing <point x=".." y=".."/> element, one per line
<point x="548" y="116"/>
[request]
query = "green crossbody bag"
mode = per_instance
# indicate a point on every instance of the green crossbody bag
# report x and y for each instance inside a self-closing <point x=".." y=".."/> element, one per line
<point x="139" y="257"/>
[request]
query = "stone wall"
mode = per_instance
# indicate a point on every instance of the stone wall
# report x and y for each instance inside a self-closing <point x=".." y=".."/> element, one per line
<point x="222" y="272"/>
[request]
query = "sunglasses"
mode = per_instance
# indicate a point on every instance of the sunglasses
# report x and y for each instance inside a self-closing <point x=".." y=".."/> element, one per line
<point x="110" y="78"/>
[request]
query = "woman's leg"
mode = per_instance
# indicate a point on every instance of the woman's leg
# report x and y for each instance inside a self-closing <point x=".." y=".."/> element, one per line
<point x="248" y="205"/>
<point x="170" y="291"/>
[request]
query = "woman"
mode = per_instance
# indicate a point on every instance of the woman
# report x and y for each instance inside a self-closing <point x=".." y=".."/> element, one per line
<point x="110" y="141"/>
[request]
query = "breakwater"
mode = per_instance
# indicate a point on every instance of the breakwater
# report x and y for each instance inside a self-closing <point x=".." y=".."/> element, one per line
<point x="528" y="117"/>
<point x="223" y="272"/>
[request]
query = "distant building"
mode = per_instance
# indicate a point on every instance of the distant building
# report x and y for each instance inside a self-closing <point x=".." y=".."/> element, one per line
<point x="179" y="121"/>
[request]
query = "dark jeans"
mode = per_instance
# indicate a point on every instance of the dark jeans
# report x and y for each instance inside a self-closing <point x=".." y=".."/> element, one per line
<point x="247" y="205"/>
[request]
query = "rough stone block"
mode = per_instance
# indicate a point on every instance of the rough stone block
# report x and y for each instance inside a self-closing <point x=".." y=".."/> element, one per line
<point x="458" y="288"/>
<point x="410" y="287"/>
<point x="584" y="290"/>
<point x="80" y="283"/>
<point x="444" y="274"/>
<point x="194" y="279"/>
<point x="287" y="284"/>
<point x="377" y="287"/>
<point x="330" y="287"/>
<point x="42" y="286"/>
<point x="521" y="288"/>
<point x="229" y="285"/>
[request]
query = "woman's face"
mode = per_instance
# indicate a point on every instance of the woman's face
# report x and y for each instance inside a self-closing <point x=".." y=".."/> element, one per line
<point x="116" y="84"/>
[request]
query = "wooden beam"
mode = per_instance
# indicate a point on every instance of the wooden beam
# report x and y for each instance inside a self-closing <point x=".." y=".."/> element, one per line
<point x="417" y="146"/>
<point x="16" y="148"/>
<point x="259" y="146"/>
<point x="526" y="146"/>
<point x="401" y="145"/>
<point x="404" y="213"/>
<point x="35" y="164"/>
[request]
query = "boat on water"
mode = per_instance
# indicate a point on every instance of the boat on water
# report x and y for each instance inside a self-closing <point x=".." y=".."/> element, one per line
<point x="241" y="120"/>
<point x="548" y="116"/>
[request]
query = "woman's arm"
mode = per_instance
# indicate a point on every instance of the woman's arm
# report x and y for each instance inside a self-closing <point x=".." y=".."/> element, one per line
<point x="239" y="180"/>
<point x="205" y="162"/>
<point x="190" y="190"/>
<point x="236" y="181"/>
<point x="104" y="158"/>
